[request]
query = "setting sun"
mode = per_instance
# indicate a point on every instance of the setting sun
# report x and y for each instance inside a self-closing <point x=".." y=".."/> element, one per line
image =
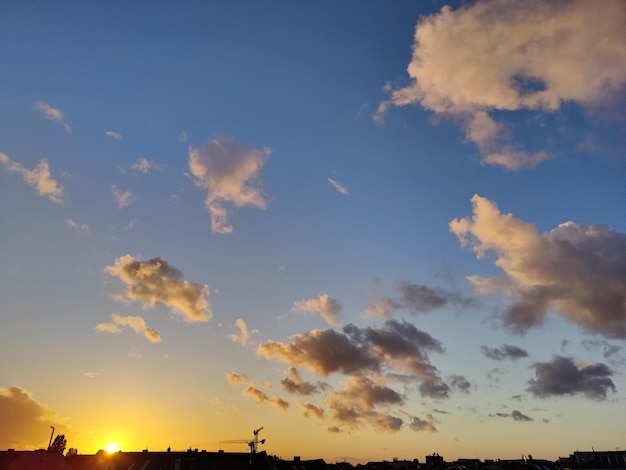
<point x="112" y="447"/>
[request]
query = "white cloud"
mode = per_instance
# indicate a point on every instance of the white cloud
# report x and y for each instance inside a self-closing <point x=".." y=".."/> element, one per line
<point x="575" y="269"/>
<point x="339" y="186"/>
<point x="229" y="173"/>
<point x="136" y="323"/>
<point x="113" y="135"/>
<point x="182" y="137"/>
<point x="498" y="55"/>
<point x="39" y="178"/>
<point x="53" y="114"/>
<point x="327" y="307"/>
<point x="122" y="198"/>
<point x="145" y="166"/>
<point x="157" y="282"/>
<point x="80" y="228"/>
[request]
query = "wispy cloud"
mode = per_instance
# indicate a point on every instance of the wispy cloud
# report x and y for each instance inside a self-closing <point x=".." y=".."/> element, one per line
<point x="39" y="178"/>
<point x="497" y="55"/>
<point x="182" y="137"/>
<point x="157" y="282"/>
<point x="114" y="135"/>
<point x="52" y="114"/>
<point x="135" y="323"/>
<point x="122" y="198"/>
<point x="144" y="165"/>
<point x="82" y="229"/>
<point x="339" y="186"/>
<point x="507" y="351"/>
<point x="229" y="172"/>
<point x="244" y="334"/>
<point x="417" y="299"/>
<point x="575" y="269"/>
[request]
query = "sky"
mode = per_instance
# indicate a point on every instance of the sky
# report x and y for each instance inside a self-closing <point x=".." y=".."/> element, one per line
<point x="375" y="229"/>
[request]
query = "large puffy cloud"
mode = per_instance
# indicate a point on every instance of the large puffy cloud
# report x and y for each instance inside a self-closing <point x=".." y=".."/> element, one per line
<point x="157" y="282"/>
<point x="229" y="172"/>
<point x="52" y="114"/>
<point x="136" y="323"/>
<point x="327" y="307"/>
<point x="25" y="421"/>
<point x="497" y="55"/>
<point x="578" y="270"/>
<point x="562" y="376"/>
<point x="396" y="347"/>
<point x="39" y="178"/>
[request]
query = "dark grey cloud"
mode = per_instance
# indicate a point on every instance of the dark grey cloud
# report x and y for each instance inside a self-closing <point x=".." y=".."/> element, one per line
<point x="515" y="415"/>
<point x="396" y="347"/>
<point x="418" y="299"/>
<point x="460" y="383"/>
<point x="608" y="350"/>
<point x="518" y="416"/>
<point x="561" y="376"/>
<point x="418" y="424"/>
<point x="506" y="351"/>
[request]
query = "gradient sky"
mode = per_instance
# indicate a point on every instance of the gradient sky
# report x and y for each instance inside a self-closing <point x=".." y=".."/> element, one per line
<point x="376" y="228"/>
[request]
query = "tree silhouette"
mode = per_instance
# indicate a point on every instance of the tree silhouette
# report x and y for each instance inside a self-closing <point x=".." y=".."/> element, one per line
<point x="59" y="444"/>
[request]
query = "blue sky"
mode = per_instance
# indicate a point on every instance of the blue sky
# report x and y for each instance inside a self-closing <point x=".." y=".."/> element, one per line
<point x="378" y="223"/>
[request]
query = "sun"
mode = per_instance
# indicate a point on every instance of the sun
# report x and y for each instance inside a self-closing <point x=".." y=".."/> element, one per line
<point x="112" y="447"/>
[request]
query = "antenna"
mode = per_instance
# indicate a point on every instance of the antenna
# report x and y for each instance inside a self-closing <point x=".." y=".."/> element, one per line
<point x="51" y="435"/>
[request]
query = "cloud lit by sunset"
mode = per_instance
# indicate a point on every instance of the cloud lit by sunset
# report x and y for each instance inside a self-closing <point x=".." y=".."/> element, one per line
<point x="375" y="229"/>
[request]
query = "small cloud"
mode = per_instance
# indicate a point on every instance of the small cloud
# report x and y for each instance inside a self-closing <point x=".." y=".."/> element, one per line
<point x="144" y="165"/>
<point x="122" y="198"/>
<point x="262" y="399"/>
<point x="52" y="114"/>
<point x="182" y="137"/>
<point x="236" y="379"/>
<point x="136" y="323"/>
<point x="91" y="375"/>
<point x="339" y="186"/>
<point x="507" y="351"/>
<point x="82" y="229"/>
<point x="229" y="173"/>
<point x="244" y="336"/>
<point x="327" y="307"/>
<point x="334" y="430"/>
<point x="294" y="384"/>
<point x="515" y="415"/>
<point x="309" y="409"/>
<point x="39" y="178"/>
<point x="113" y="135"/>
<point x="157" y="282"/>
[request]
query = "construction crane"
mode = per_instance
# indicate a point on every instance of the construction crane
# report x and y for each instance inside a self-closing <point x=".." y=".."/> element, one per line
<point x="253" y="444"/>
